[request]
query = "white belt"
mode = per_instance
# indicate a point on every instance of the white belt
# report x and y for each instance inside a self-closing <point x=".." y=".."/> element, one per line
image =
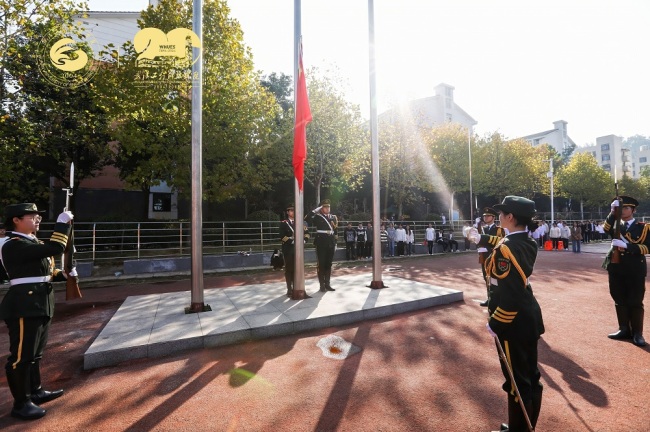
<point x="494" y="281"/>
<point x="26" y="280"/>
<point x="324" y="232"/>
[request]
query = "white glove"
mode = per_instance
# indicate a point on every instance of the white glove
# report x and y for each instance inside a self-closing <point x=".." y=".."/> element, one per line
<point x="72" y="273"/>
<point x="65" y="217"/>
<point x="317" y="209"/>
<point x="614" y="204"/>
<point x="474" y="236"/>
<point x="489" y="329"/>
<point x="619" y="243"/>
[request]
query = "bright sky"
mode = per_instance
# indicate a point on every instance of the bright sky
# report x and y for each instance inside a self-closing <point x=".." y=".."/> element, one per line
<point x="516" y="66"/>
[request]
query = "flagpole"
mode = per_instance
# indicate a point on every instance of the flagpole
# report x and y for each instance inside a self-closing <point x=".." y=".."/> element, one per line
<point x="299" y="273"/>
<point x="196" y="258"/>
<point x="374" y="144"/>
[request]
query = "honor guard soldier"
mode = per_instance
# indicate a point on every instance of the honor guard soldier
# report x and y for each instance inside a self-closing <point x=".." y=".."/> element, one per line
<point x="28" y="306"/>
<point x="325" y="242"/>
<point x="515" y="318"/>
<point x="288" y="236"/>
<point x="489" y="228"/>
<point x="627" y="277"/>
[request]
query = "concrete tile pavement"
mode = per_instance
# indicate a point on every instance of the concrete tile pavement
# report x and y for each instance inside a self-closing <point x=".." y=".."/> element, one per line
<point x="156" y="325"/>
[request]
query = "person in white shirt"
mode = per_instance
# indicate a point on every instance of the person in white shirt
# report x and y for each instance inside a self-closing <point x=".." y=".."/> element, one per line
<point x="555" y="235"/>
<point x="430" y="237"/>
<point x="565" y="233"/>
<point x="400" y="238"/>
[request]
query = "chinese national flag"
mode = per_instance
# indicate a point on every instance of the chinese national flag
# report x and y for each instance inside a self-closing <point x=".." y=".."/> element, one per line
<point x="303" y="116"/>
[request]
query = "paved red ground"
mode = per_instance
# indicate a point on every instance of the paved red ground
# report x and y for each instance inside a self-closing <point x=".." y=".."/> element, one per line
<point x="435" y="369"/>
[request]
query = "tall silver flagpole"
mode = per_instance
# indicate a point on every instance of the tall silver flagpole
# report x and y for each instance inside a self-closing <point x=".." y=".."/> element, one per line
<point x="299" y="272"/>
<point x="374" y="144"/>
<point x="197" y="186"/>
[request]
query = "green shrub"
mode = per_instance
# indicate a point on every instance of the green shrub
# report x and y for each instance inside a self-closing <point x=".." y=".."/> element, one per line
<point x="263" y="215"/>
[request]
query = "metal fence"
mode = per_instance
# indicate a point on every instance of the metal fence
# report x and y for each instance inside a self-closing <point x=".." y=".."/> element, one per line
<point x="118" y="241"/>
<point x="112" y="241"/>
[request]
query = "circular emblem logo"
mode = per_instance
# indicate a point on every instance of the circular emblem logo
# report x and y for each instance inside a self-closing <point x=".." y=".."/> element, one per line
<point x="65" y="61"/>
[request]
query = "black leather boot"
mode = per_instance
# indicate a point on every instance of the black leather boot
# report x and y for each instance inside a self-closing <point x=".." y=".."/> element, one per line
<point x="321" y="281"/>
<point x="623" y="317"/>
<point x="637" y="327"/>
<point x="19" y="381"/>
<point x="38" y="395"/>
<point x="328" y="287"/>
<point x="516" y="419"/>
<point x="289" y="281"/>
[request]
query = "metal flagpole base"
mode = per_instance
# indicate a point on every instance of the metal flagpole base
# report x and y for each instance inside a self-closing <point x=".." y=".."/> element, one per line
<point x="299" y="295"/>
<point x="377" y="285"/>
<point x="197" y="307"/>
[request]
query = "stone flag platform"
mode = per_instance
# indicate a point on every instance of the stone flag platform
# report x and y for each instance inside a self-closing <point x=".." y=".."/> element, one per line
<point x="156" y="325"/>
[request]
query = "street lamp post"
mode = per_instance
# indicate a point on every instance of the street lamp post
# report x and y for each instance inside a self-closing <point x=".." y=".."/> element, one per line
<point x="550" y="176"/>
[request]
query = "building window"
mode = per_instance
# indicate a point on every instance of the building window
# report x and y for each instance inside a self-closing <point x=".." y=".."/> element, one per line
<point x="162" y="202"/>
<point x="536" y="142"/>
<point x="643" y="159"/>
<point x="605" y="157"/>
<point x="594" y="154"/>
<point x="607" y="167"/>
<point x="604" y="147"/>
<point x="448" y="117"/>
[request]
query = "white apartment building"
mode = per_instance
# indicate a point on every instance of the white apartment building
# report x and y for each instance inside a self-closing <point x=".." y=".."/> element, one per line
<point x="613" y="157"/>
<point x="434" y="110"/>
<point x="558" y="137"/>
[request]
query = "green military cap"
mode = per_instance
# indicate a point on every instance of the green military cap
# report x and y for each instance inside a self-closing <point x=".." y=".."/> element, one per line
<point x="628" y="201"/>
<point x="518" y="206"/>
<point x="290" y="207"/>
<point x="18" y="210"/>
<point x="325" y="203"/>
<point x="489" y="211"/>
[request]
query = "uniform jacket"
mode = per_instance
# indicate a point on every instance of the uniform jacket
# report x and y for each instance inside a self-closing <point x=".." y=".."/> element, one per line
<point x="23" y="257"/>
<point x="324" y="222"/>
<point x="287" y="234"/>
<point x="493" y="234"/>
<point x="514" y="311"/>
<point x="638" y="244"/>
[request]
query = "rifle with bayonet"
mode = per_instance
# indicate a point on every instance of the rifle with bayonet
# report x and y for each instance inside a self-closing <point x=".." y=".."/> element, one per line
<point x="616" y="253"/>
<point x="72" y="290"/>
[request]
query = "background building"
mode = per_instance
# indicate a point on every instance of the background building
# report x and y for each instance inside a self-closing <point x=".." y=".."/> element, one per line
<point x="558" y="138"/>
<point x="612" y="156"/>
<point x="431" y="111"/>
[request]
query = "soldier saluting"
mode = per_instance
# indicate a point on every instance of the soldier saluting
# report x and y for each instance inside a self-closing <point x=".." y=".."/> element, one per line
<point x="627" y="277"/>
<point x="325" y="241"/>
<point x="28" y="306"/>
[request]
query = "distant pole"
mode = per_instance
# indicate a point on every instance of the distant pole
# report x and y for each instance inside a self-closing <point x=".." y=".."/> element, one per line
<point x="374" y="145"/>
<point x="471" y="194"/>
<point x="299" y="246"/>
<point x="197" y="187"/>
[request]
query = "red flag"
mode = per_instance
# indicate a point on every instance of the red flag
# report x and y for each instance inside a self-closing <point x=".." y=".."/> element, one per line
<point x="303" y="116"/>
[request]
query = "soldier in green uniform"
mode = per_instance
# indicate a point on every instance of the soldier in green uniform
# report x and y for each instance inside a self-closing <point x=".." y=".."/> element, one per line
<point x="28" y="306"/>
<point x="325" y="241"/>
<point x="515" y="315"/>
<point x="287" y="237"/>
<point x="627" y="277"/>
<point x="496" y="233"/>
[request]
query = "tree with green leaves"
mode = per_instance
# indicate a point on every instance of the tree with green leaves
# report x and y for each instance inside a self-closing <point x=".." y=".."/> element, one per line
<point x="153" y="123"/>
<point x="582" y="179"/>
<point x="338" y="149"/>
<point x="513" y="167"/>
<point x="44" y="126"/>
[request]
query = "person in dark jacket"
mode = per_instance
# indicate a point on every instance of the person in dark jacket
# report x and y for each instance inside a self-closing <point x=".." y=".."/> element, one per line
<point x="287" y="237"/>
<point x="627" y="277"/>
<point x="496" y="233"/>
<point x="515" y="317"/>
<point x="28" y="306"/>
